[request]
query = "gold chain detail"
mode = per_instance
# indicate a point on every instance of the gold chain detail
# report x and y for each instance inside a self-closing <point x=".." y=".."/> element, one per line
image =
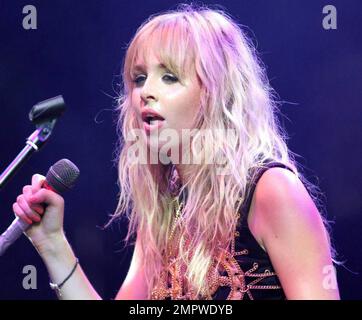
<point x="176" y="219"/>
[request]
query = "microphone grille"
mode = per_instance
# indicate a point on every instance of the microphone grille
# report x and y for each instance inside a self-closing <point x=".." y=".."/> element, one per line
<point x="62" y="175"/>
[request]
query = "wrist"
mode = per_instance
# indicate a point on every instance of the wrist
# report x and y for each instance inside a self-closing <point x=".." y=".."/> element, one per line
<point x="57" y="287"/>
<point x="52" y="245"/>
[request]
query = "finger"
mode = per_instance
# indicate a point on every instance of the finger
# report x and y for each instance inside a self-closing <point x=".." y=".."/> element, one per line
<point x="47" y="197"/>
<point x="27" y="210"/>
<point x="27" y="191"/>
<point x="37" y="181"/>
<point x="38" y="208"/>
<point x="19" y="213"/>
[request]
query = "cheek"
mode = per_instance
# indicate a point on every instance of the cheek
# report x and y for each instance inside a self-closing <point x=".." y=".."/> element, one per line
<point x="135" y="102"/>
<point x="135" y="98"/>
<point x="192" y="105"/>
<point x="184" y="108"/>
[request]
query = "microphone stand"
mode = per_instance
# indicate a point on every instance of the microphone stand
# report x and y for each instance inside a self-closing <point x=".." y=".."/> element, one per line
<point x="45" y="115"/>
<point x="33" y="143"/>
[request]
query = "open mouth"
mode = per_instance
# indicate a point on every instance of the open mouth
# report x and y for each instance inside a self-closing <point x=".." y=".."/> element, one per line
<point x="152" y="119"/>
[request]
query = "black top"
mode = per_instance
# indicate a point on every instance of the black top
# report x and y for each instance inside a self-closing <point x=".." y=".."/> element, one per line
<point x="244" y="271"/>
<point x="257" y="279"/>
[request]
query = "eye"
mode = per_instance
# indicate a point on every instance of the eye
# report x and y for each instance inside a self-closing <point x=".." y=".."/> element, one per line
<point x="170" y="78"/>
<point x="139" y="79"/>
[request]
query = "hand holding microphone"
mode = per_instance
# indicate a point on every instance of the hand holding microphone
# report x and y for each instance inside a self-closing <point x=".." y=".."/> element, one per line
<point x="30" y="210"/>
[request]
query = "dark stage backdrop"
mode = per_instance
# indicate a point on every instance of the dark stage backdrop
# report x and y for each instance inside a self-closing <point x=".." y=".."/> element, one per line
<point x="77" y="50"/>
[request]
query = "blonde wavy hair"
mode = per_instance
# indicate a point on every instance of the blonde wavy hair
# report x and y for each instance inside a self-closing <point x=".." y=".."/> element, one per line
<point x="235" y="95"/>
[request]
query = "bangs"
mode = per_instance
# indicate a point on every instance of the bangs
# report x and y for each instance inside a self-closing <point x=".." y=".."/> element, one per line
<point x="169" y="40"/>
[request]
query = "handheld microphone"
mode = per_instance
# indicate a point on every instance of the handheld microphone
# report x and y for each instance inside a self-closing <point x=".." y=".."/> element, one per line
<point x="60" y="178"/>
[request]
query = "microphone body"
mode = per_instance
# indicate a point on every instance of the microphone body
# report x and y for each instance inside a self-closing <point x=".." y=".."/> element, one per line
<point x="12" y="233"/>
<point x="60" y="177"/>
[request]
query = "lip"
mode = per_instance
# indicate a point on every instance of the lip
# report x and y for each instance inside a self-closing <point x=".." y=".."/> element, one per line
<point x="148" y="111"/>
<point x="150" y="127"/>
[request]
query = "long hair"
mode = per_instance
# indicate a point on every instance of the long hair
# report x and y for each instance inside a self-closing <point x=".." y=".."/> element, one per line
<point x="236" y="95"/>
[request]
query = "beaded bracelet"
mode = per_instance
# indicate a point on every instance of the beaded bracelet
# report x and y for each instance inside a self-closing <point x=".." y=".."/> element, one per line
<point x="57" y="287"/>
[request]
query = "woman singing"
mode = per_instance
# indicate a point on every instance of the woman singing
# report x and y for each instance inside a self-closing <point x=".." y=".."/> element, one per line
<point x="216" y="203"/>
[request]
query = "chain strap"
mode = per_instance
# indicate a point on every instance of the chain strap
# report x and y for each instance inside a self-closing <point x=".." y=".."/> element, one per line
<point x="179" y="207"/>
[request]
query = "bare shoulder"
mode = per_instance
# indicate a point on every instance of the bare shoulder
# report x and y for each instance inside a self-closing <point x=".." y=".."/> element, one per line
<point x="288" y="225"/>
<point x="281" y="185"/>
<point x="279" y="199"/>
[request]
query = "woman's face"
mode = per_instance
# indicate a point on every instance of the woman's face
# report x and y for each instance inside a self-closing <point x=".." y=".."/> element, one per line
<point x="176" y="101"/>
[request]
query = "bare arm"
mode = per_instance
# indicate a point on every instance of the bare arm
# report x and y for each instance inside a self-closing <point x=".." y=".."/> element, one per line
<point x="134" y="286"/>
<point x="60" y="260"/>
<point x="289" y="226"/>
<point x="47" y="236"/>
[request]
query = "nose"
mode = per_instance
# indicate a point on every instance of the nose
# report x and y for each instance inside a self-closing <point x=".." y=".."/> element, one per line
<point x="148" y="92"/>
